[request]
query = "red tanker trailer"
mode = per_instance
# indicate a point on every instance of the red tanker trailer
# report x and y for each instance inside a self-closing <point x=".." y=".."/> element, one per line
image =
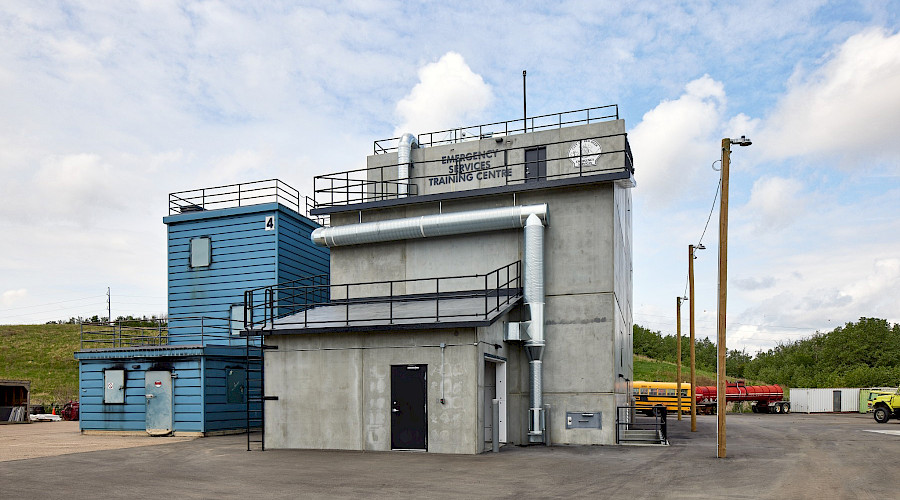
<point x="764" y="398"/>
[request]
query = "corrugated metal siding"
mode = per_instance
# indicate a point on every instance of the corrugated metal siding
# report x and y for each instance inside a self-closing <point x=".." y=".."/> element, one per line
<point x="221" y="415"/>
<point x="298" y="256"/>
<point x="822" y="400"/>
<point x="94" y="415"/>
<point x="243" y="256"/>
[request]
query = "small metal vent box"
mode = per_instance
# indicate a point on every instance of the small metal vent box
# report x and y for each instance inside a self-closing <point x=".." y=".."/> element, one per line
<point x="583" y="420"/>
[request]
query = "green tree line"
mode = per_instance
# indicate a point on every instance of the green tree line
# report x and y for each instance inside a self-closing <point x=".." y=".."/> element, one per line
<point x="861" y="354"/>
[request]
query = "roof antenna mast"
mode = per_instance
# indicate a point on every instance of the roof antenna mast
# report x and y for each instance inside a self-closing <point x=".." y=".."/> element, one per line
<point x="524" y="106"/>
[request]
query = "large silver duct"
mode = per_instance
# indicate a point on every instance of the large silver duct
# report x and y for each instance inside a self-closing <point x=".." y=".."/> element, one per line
<point x="404" y="148"/>
<point x="534" y="346"/>
<point x="473" y="221"/>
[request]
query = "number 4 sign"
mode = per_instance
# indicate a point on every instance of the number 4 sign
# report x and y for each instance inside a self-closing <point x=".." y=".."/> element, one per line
<point x="270" y="223"/>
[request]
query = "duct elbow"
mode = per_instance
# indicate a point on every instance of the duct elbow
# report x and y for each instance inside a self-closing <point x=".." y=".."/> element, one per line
<point x="318" y="237"/>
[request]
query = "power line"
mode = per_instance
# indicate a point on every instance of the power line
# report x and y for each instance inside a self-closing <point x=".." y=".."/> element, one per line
<point x="51" y="303"/>
<point x="709" y="218"/>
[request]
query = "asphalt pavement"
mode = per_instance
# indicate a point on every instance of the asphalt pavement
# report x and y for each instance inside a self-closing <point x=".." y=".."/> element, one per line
<point x="768" y="456"/>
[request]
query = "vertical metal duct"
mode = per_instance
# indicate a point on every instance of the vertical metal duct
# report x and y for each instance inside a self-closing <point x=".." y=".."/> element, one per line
<point x="407" y="141"/>
<point x="534" y="300"/>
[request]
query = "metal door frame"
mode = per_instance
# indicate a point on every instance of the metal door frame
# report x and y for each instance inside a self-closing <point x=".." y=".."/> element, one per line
<point x="424" y="371"/>
<point x="149" y="395"/>
<point x="500" y="394"/>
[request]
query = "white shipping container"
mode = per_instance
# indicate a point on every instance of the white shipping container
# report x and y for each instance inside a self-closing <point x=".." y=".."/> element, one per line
<point x="824" y="400"/>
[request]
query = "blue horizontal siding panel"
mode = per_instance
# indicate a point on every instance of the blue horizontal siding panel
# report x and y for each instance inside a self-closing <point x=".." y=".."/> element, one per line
<point x="244" y="255"/>
<point x="239" y="243"/>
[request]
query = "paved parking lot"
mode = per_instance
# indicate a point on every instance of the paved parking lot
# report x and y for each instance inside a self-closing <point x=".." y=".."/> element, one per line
<point x="769" y="456"/>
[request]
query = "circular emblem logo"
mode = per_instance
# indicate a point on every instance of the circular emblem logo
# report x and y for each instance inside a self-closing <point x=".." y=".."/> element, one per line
<point x="585" y="153"/>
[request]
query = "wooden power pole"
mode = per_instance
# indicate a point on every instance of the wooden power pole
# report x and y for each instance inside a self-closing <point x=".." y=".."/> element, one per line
<point x="678" y="353"/>
<point x="723" y="295"/>
<point x="691" y="249"/>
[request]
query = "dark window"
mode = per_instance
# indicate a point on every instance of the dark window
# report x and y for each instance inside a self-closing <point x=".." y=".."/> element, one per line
<point x="535" y="164"/>
<point x="234" y="385"/>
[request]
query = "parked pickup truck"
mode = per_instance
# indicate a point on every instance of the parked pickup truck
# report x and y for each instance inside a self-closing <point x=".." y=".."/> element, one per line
<point x="886" y="407"/>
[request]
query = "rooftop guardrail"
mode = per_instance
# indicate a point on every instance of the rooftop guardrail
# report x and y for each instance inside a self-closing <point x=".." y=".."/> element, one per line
<point x="192" y="330"/>
<point x="243" y="195"/>
<point x="311" y="303"/>
<point x="509" y="127"/>
<point x="362" y="185"/>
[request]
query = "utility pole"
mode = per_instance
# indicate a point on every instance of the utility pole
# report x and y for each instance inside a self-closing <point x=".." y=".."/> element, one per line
<point x="691" y="258"/>
<point x="678" y="353"/>
<point x="109" y="306"/>
<point x="723" y="291"/>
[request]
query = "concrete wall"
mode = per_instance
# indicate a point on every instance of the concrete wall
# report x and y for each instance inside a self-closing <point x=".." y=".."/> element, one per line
<point x="588" y="289"/>
<point x="340" y="398"/>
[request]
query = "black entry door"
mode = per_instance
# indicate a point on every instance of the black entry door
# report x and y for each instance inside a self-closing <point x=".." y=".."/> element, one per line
<point x="535" y="164"/>
<point x="409" y="428"/>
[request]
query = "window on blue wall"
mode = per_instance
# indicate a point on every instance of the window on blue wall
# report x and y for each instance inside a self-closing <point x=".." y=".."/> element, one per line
<point x="201" y="252"/>
<point x="237" y="319"/>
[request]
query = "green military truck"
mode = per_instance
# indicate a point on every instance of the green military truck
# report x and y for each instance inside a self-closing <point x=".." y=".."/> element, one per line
<point x="886" y="407"/>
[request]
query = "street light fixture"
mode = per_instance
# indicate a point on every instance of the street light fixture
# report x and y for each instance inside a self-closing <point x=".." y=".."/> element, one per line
<point x="723" y="291"/>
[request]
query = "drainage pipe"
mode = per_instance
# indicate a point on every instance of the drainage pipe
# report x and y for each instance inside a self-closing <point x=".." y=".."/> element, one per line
<point x="404" y="148"/>
<point x="428" y="226"/>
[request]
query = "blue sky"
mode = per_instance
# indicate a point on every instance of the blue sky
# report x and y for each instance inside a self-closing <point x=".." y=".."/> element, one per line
<point x="107" y="107"/>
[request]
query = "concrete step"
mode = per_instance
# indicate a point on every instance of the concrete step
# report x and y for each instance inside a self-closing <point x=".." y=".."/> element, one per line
<point x="640" y="436"/>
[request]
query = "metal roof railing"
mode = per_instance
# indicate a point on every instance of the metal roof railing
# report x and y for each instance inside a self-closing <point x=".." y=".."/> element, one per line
<point x="373" y="184"/>
<point x="235" y="195"/>
<point x="509" y="127"/>
<point x="313" y="304"/>
<point x="181" y="330"/>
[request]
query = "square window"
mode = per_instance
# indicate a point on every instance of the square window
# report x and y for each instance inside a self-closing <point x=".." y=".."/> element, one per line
<point x="201" y="252"/>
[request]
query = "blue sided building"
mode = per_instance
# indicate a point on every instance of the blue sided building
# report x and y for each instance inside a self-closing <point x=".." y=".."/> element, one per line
<point x="196" y="374"/>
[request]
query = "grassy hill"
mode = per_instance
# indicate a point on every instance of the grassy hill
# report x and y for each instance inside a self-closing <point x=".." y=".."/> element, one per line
<point x="42" y="354"/>
<point x="652" y="370"/>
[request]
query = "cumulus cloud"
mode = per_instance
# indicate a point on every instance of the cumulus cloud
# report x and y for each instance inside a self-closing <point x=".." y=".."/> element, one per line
<point x="677" y="140"/>
<point x="449" y="94"/>
<point x="10" y="297"/>
<point x="754" y="283"/>
<point x="775" y="202"/>
<point x="849" y="106"/>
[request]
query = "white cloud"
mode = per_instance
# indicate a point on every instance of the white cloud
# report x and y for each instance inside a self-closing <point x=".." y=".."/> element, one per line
<point x="775" y="203"/>
<point x="677" y="141"/>
<point x="754" y="283"/>
<point x="848" y="107"/>
<point x="448" y="94"/>
<point x="10" y="297"/>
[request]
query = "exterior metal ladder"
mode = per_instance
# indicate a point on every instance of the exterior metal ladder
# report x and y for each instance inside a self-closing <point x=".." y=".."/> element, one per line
<point x="255" y="385"/>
